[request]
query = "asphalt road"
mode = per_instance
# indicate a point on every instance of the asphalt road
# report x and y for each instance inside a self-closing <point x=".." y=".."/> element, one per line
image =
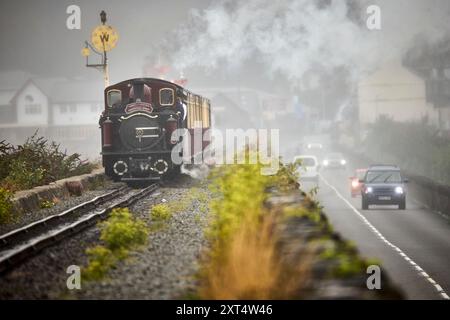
<point x="413" y="245"/>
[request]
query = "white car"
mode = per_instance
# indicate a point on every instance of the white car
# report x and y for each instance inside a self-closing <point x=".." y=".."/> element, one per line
<point x="309" y="169"/>
<point x="334" y="160"/>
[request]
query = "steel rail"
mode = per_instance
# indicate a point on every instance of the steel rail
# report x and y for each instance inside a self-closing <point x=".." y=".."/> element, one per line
<point x="12" y="236"/>
<point x="12" y="257"/>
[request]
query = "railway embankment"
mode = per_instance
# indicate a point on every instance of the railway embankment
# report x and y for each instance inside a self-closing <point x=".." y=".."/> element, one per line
<point x="35" y="198"/>
<point x="40" y="202"/>
<point x="235" y="235"/>
<point x="270" y="240"/>
<point x="35" y="175"/>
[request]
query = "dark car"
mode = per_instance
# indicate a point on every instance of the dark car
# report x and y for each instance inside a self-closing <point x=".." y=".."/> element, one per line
<point x="383" y="185"/>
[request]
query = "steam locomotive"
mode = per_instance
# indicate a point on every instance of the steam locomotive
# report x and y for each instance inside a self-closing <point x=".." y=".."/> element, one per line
<point x="138" y="123"/>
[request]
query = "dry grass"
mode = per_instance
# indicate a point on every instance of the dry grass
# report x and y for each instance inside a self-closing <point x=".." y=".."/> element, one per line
<point x="251" y="269"/>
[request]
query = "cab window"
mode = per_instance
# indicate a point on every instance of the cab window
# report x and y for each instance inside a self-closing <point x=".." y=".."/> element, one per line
<point x="114" y="97"/>
<point x="166" y="97"/>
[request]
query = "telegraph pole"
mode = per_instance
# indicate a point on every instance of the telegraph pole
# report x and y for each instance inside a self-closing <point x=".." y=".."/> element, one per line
<point x="103" y="39"/>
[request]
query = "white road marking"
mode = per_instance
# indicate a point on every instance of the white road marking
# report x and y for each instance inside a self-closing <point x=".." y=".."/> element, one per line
<point x="421" y="272"/>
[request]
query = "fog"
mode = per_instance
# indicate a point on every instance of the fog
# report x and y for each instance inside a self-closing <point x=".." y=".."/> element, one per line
<point x="294" y="65"/>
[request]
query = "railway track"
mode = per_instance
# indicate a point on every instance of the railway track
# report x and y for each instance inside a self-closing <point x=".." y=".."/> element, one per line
<point x="21" y="244"/>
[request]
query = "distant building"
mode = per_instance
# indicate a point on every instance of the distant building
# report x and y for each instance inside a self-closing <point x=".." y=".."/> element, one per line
<point x="239" y="107"/>
<point x="431" y="62"/>
<point x="396" y="92"/>
<point x="63" y="110"/>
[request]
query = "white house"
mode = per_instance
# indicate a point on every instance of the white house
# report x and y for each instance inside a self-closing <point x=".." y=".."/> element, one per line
<point x="396" y="92"/>
<point x="77" y="103"/>
<point x="63" y="110"/>
<point x="31" y="105"/>
<point x="44" y="102"/>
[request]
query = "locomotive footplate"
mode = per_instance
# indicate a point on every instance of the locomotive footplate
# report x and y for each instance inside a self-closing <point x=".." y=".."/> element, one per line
<point x="154" y="178"/>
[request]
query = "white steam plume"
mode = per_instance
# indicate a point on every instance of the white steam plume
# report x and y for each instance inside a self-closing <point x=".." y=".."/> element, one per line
<point x="292" y="37"/>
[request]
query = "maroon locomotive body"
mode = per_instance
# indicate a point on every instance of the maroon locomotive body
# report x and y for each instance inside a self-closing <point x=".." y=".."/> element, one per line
<point x="138" y="123"/>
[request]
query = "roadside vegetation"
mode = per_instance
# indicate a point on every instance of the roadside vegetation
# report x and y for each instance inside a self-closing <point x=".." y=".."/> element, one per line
<point x="34" y="163"/>
<point x="37" y="162"/>
<point x="247" y="258"/>
<point x="416" y="146"/>
<point x="243" y="262"/>
<point x="5" y="205"/>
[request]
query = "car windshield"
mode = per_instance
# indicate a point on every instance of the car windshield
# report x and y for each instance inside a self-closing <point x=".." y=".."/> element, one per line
<point x="360" y="174"/>
<point x="306" y="162"/>
<point x="383" y="177"/>
<point x="334" y="156"/>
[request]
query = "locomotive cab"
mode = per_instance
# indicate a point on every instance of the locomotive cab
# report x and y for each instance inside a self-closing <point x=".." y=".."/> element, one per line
<point x="137" y="124"/>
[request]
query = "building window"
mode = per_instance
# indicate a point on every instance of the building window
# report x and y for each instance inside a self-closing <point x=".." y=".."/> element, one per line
<point x="29" y="99"/>
<point x="73" y="108"/>
<point x="166" y="97"/>
<point x="33" y="109"/>
<point x="63" y="108"/>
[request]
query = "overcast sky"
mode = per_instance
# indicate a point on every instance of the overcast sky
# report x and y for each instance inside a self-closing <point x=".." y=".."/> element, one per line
<point x="274" y="44"/>
<point x="34" y="37"/>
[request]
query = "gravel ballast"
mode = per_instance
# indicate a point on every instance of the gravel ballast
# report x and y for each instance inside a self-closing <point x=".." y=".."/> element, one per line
<point x="163" y="269"/>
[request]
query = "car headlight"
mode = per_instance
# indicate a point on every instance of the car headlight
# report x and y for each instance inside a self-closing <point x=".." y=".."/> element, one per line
<point x="369" y="189"/>
<point x="343" y="162"/>
<point x="325" y="162"/>
<point x="398" y="190"/>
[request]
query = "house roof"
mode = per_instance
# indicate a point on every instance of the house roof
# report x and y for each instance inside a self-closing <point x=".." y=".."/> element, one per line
<point x="391" y="73"/>
<point x="58" y="90"/>
<point x="77" y="91"/>
<point x="13" y="80"/>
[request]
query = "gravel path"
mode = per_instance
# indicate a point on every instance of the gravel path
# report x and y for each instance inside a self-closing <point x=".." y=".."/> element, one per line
<point x="164" y="269"/>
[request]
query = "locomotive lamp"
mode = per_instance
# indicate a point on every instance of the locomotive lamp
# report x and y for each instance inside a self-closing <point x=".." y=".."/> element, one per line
<point x="85" y="52"/>
<point x="104" y="38"/>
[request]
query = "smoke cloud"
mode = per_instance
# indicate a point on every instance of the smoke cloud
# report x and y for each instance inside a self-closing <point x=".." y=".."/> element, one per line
<point x="294" y="37"/>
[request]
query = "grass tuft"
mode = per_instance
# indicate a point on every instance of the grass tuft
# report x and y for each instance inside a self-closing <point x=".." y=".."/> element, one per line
<point x="243" y="262"/>
<point x="119" y="233"/>
<point x="160" y="212"/>
<point x="5" y="205"/>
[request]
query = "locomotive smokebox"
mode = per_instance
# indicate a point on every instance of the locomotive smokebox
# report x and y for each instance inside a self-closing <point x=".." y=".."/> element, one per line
<point x="171" y="126"/>
<point x="107" y="133"/>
